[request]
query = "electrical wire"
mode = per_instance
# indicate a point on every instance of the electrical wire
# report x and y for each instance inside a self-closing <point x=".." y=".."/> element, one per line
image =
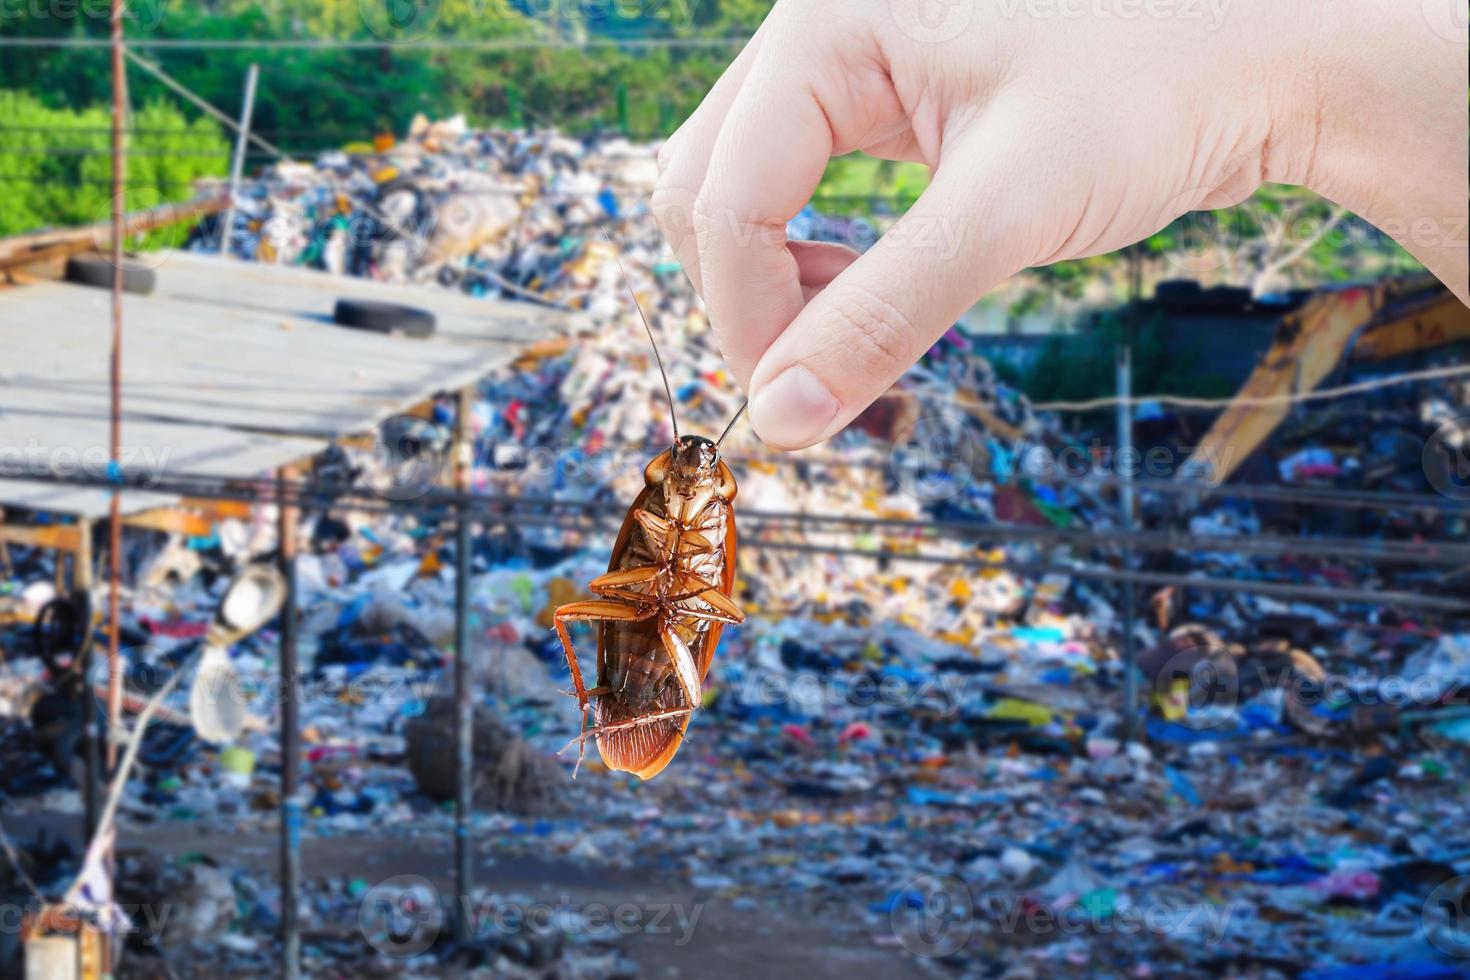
<point x="405" y="44"/>
<point x="521" y="510"/>
<point x="1407" y="600"/>
<point x="1321" y="394"/>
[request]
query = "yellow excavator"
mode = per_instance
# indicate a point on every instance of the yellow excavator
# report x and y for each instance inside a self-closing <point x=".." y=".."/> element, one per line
<point x="1351" y="324"/>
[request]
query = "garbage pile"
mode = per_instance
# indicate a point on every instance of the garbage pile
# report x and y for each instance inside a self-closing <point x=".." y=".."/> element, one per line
<point x="920" y="738"/>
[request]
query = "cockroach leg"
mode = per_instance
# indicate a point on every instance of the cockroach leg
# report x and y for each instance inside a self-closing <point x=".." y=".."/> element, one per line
<point x="694" y="543"/>
<point x="688" y="581"/>
<point x="724" y="604"/>
<point x="614" y="584"/>
<point x="587" y="611"/>
<point x="706" y="616"/>
<point x="629" y="576"/>
<point x="657" y="528"/>
<point x="727" y="481"/>
<point x="685" y="670"/>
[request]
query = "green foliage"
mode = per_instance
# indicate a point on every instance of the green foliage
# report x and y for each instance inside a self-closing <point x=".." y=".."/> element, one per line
<point x="857" y="184"/>
<point x="56" y="167"/>
<point x="313" y="99"/>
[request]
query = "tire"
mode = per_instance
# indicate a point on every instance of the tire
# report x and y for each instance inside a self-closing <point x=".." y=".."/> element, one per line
<point x="93" y="270"/>
<point x="57" y="631"/>
<point x="363" y="314"/>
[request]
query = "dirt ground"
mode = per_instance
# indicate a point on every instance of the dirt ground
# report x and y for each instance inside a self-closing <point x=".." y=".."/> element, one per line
<point x="728" y="942"/>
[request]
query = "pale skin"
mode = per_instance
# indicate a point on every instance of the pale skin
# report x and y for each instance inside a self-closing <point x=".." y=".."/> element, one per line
<point x="1055" y="129"/>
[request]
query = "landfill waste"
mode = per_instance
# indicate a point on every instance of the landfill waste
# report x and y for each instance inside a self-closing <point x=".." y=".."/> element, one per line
<point x="933" y="760"/>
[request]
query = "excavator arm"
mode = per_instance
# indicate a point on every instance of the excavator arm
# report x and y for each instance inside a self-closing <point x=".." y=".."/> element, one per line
<point x="1364" y="323"/>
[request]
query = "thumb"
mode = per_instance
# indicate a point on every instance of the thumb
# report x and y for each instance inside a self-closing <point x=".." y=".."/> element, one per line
<point x="878" y="317"/>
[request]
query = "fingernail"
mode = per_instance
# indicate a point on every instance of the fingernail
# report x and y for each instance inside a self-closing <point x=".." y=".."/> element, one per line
<point x="794" y="410"/>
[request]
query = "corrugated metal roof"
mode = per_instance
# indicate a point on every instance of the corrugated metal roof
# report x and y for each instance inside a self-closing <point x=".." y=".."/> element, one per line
<point x="229" y="368"/>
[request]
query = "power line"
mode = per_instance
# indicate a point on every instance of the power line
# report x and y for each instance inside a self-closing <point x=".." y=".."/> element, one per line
<point x="1379" y="500"/>
<point x="354" y="134"/>
<point x="539" y="516"/>
<point x="533" y="509"/>
<point x="75" y="151"/>
<point x="181" y="90"/>
<point x="356" y="44"/>
<point x="1407" y="600"/>
<point x="1165" y="541"/>
<point x="1321" y="394"/>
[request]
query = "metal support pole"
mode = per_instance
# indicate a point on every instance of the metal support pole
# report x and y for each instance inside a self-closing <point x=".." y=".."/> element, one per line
<point x="114" y="526"/>
<point x="237" y="165"/>
<point x="81" y="581"/>
<point x="290" y="741"/>
<point x="1125" y="464"/>
<point x="463" y="707"/>
<point x="114" y="556"/>
<point x="1125" y="456"/>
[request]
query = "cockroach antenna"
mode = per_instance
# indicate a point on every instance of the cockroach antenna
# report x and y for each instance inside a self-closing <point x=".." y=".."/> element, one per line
<point x="673" y="419"/>
<point x="738" y="413"/>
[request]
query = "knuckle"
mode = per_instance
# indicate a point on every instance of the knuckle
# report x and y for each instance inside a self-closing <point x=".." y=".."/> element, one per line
<point x="670" y="207"/>
<point x="665" y="156"/>
<point x="881" y="330"/>
<point x="703" y="214"/>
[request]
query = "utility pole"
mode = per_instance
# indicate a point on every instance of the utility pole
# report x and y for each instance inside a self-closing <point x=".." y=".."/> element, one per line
<point x="114" y="466"/>
<point x="237" y="165"/>
<point x="464" y="730"/>
<point x="290" y="736"/>
<point x="1124" y="465"/>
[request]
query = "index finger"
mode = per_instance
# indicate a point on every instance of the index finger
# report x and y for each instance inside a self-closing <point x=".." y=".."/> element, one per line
<point x="767" y="161"/>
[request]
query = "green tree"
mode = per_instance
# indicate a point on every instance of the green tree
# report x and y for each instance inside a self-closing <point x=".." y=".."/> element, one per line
<point x="55" y="163"/>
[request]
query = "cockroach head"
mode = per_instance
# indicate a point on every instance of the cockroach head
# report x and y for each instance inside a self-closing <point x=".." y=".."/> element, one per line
<point x="695" y="454"/>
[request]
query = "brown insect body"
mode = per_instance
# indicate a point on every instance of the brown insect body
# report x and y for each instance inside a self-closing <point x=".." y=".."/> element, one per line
<point x="661" y="608"/>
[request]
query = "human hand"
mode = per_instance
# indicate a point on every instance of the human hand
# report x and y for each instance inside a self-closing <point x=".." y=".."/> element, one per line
<point x="1056" y="129"/>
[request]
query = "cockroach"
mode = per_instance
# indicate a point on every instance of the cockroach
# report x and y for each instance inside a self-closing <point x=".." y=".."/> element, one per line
<point x="663" y="603"/>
